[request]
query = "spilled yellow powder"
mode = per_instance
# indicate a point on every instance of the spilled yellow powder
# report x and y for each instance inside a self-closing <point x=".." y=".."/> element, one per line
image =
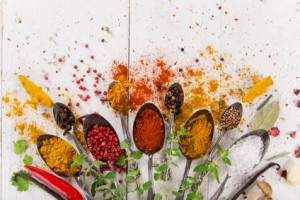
<point x="31" y="131"/>
<point x="21" y="127"/>
<point x="6" y="99"/>
<point x="259" y="88"/>
<point x="36" y="93"/>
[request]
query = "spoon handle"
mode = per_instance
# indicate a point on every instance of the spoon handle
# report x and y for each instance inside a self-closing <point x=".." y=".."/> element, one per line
<point x="212" y="150"/>
<point x="186" y="172"/>
<point x="150" y="177"/>
<point x="111" y="167"/>
<point x="87" y="195"/>
<point x="220" y="190"/>
<point x="171" y="128"/>
<point x="125" y="129"/>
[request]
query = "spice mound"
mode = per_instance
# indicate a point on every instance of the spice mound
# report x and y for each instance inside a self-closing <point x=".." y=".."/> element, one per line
<point x="174" y="100"/>
<point x="58" y="155"/>
<point x="230" y="119"/>
<point x="245" y="154"/>
<point x="36" y="92"/>
<point x="117" y="97"/>
<point x="197" y="140"/>
<point x="148" y="131"/>
<point x="104" y="145"/>
<point x="65" y="119"/>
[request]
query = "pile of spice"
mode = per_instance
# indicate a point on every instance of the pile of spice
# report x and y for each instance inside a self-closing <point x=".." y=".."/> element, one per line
<point x="104" y="145"/>
<point x="58" y="155"/>
<point x="65" y="119"/>
<point x="245" y="154"/>
<point x="198" y="137"/>
<point x="174" y="99"/>
<point x="148" y="132"/>
<point x="36" y="93"/>
<point x="230" y="119"/>
<point x="117" y="97"/>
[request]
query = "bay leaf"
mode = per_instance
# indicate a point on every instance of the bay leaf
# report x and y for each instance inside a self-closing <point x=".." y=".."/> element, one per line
<point x="266" y="118"/>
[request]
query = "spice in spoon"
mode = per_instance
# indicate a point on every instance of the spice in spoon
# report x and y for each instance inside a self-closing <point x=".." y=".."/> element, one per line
<point x="230" y="119"/>
<point x="174" y="99"/>
<point x="197" y="140"/>
<point x="117" y="97"/>
<point x="65" y="119"/>
<point x="148" y="131"/>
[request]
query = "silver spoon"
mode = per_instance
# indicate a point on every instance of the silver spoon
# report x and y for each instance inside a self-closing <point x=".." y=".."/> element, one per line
<point x="173" y="109"/>
<point x="77" y="176"/>
<point x="150" y="155"/>
<point x="96" y="119"/>
<point x="189" y="160"/>
<point x="264" y="135"/>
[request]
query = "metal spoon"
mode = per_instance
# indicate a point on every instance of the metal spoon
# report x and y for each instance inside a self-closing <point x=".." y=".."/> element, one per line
<point x="189" y="160"/>
<point x="150" y="155"/>
<point x="96" y="119"/>
<point x="264" y="135"/>
<point x="77" y="176"/>
<point x="239" y="107"/>
<point x="123" y="118"/>
<point x="172" y="112"/>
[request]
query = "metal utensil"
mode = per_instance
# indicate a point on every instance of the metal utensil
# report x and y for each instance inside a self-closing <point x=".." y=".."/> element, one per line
<point x="189" y="160"/>
<point x="96" y="119"/>
<point x="77" y="176"/>
<point x="172" y="113"/>
<point x="150" y="155"/>
<point x="264" y="135"/>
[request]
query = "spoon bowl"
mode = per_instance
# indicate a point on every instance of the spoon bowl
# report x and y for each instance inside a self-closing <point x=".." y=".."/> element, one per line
<point x="180" y="90"/>
<point x="60" y="110"/>
<point x="237" y="106"/>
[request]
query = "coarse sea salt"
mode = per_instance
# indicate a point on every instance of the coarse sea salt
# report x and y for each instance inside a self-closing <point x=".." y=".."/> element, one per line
<point x="245" y="154"/>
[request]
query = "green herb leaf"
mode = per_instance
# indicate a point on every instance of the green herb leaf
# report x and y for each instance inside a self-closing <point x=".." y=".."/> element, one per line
<point x="133" y="172"/>
<point x="177" y="194"/>
<point x="93" y="189"/>
<point x="77" y="160"/>
<point x="226" y="160"/>
<point x="163" y="167"/>
<point x="110" y="176"/>
<point x="121" y="160"/>
<point x="137" y="155"/>
<point x="201" y="168"/>
<point x="147" y="185"/>
<point x="120" y="191"/>
<point x="265" y="102"/>
<point x="283" y="154"/>
<point x="103" y="187"/>
<point x="140" y="191"/>
<point x="157" y="176"/>
<point x="130" y="179"/>
<point x="20" y="147"/>
<point x="21" y="183"/>
<point x="185" y="182"/>
<point x="27" y="160"/>
<point x="98" y="163"/>
<point x="267" y="117"/>
<point x="191" y="196"/>
<point x="157" y="196"/>
<point x="124" y="145"/>
<point x="216" y="173"/>
<point x="219" y="147"/>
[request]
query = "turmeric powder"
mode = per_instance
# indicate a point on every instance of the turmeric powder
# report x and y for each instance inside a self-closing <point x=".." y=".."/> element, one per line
<point x="117" y="97"/>
<point x="59" y="155"/>
<point x="197" y="140"/>
<point x="259" y="88"/>
<point x="36" y="93"/>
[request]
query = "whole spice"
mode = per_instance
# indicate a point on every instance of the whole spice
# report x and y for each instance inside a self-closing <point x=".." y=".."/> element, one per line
<point x="265" y="187"/>
<point x="148" y="132"/>
<point x="56" y="184"/>
<point x="174" y="99"/>
<point x="195" y="143"/>
<point x="65" y="119"/>
<point x="36" y="92"/>
<point x="259" y="88"/>
<point x="230" y="119"/>
<point x="104" y="145"/>
<point x="58" y="155"/>
<point x="274" y="131"/>
<point x="117" y="97"/>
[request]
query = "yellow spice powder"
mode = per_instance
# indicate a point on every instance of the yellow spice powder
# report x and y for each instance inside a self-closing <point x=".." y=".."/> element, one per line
<point x="117" y="98"/>
<point x="197" y="140"/>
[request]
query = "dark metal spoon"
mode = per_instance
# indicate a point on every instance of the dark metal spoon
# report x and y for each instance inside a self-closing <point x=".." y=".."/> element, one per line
<point x="189" y="160"/>
<point x="172" y="112"/>
<point x="96" y="119"/>
<point x="152" y="107"/>
<point x="264" y="135"/>
<point x="77" y="176"/>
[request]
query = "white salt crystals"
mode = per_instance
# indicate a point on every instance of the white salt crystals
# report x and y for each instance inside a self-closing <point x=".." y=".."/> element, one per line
<point x="245" y="154"/>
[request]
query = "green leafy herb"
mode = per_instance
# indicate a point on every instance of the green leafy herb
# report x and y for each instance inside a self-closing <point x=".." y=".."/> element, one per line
<point x="121" y="160"/>
<point x="177" y="194"/>
<point x="147" y="185"/>
<point x="201" y="168"/>
<point x="267" y="117"/>
<point x="124" y="145"/>
<point x="20" y="147"/>
<point x="19" y="181"/>
<point x="137" y="155"/>
<point x="130" y="179"/>
<point x="110" y="176"/>
<point x="27" y="160"/>
<point x="283" y="154"/>
<point x="265" y="102"/>
<point x="98" y="163"/>
<point x="78" y="160"/>
<point x="157" y="196"/>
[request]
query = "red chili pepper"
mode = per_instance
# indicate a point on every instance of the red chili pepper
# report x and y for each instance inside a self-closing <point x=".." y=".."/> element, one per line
<point x="57" y="184"/>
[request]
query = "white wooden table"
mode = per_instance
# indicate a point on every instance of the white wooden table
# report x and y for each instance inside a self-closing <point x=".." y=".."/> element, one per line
<point x="263" y="35"/>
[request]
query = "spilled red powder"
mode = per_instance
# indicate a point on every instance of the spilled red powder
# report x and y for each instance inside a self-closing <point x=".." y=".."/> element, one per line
<point x="118" y="70"/>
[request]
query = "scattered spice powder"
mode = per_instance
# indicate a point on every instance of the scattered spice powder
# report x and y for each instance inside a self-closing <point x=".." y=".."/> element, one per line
<point x="148" y="125"/>
<point x="117" y="97"/>
<point x="198" y="136"/>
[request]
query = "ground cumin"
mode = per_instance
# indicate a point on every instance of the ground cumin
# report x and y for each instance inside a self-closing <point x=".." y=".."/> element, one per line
<point x="148" y="132"/>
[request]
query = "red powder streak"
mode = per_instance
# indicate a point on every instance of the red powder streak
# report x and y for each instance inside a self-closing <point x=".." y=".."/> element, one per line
<point x="119" y="69"/>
